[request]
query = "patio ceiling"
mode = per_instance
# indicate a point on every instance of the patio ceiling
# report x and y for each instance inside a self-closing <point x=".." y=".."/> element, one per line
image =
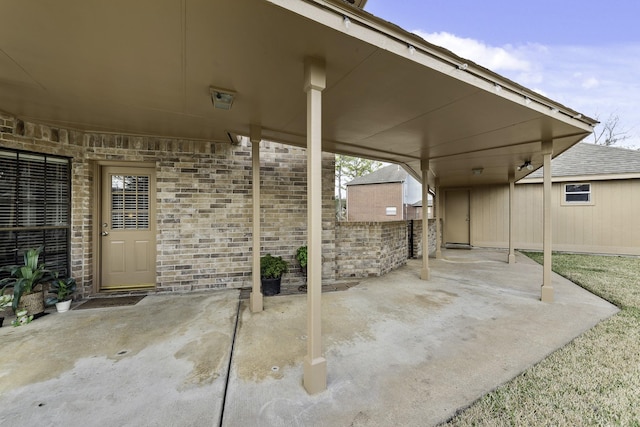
<point x="146" y="67"/>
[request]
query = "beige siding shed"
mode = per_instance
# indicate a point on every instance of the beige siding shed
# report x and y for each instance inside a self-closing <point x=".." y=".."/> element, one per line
<point x="608" y="223"/>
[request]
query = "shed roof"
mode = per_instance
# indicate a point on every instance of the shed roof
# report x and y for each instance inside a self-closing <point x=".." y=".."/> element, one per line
<point x="586" y="159"/>
<point x="387" y="174"/>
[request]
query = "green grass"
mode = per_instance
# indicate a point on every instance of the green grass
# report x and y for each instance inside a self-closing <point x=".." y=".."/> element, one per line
<point x="594" y="380"/>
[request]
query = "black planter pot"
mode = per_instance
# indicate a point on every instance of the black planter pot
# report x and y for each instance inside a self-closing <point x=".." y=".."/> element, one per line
<point x="271" y="286"/>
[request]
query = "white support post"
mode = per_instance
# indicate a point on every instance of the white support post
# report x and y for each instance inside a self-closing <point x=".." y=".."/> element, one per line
<point x="315" y="366"/>
<point x="425" y="274"/>
<point x="546" y="294"/>
<point x="255" y="298"/>
<point x="512" y="186"/>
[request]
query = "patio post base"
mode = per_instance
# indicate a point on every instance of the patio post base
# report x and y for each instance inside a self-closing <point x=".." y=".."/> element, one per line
<point x="425" y="274"/>
<point x="512" y="259"/>
<point x="255" y="302"/>
<point x="546" y="294"/>
<point x="315" y="375"/>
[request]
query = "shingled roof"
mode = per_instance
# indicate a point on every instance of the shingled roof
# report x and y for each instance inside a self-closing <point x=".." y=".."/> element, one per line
<point x="590" y="159"/>
<point x="387" y="174"/>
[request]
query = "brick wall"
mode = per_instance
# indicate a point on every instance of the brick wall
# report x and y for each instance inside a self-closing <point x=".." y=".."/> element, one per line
<point x="417" y="236"/>
<point x="203" y="202"/>
<point x="366" y="249"/>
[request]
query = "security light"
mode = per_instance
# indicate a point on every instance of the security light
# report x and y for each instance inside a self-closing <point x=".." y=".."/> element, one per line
<point x="526" y="165"/>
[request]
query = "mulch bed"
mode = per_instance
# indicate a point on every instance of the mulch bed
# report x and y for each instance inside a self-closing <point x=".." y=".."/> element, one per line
<point x="109" y="302"/>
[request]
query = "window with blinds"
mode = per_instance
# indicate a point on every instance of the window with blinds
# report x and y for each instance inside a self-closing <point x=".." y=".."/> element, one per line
<point x="35" y="208"/>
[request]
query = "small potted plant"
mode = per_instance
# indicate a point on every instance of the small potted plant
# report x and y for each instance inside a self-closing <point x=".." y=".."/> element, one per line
<point x="63" y="289"/>
<point x="24" y="279"/>
<point x="301" y="256"/>
<point x="5" y="302"/>
<point x="22" y="317"/>
<point x="271" y="271"/>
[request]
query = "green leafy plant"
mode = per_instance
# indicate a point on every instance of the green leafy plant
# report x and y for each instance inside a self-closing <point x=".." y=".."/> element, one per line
<point x="5" y="301"/>
<point x="62" y="288"/>
<point x="24" y="278"/>
<point x="22" y="318"/>
<point x="272" y="267"/>
<point x="301" y="256"/>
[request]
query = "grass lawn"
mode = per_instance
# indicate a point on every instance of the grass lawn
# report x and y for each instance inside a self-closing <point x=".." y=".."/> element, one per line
<point x="594" y="380"/>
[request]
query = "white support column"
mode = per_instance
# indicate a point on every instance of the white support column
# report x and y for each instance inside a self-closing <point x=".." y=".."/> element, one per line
<point x="425" y="274"/>
<point x="255" y="298"/>
<point x="512" y="187"/>
<point x="315" y="366"/>
<point x="546" y="294"/>
<point x="438" y="225"/>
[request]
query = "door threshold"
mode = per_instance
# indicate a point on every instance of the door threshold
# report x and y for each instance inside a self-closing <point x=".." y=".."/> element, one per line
<point x="457" y="246"/>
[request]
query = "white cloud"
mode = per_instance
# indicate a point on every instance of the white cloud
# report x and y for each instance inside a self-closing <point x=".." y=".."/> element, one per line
<point x="590" y="82"/>
<point x="597" y="81"/>
<point x="494" y="58"/>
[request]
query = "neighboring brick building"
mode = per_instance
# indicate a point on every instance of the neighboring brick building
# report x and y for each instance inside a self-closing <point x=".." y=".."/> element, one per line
<point x="388" y="194"/>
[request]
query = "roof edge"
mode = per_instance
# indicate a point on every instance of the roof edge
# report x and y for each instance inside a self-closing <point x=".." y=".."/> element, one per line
<point x="598" y="177"/>
<point x="409" y="39"/>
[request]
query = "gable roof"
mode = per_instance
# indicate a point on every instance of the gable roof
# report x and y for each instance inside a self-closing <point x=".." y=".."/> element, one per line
<point x="586" y="159"/>
<point x="387" y="174"/>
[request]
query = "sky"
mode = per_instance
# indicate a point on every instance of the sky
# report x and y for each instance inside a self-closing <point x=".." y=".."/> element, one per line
<point x="584" y="54"/>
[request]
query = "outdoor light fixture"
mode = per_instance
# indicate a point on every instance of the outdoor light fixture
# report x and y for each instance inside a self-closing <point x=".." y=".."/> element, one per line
<point x="463" y="67"/>
<point x="554" y="110"/>
<point x="526" y="165"/>
<point x="498" y="87"/>
<point x="412" y="50"/>
<point x="477" y="171"/>
<point x="527" y="100"/>
<point x="347" y="22"/>
<point x="222" y="99"/>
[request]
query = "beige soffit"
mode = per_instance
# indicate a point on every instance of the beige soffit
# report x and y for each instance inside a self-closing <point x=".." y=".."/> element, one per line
<point x="146" y="67"/>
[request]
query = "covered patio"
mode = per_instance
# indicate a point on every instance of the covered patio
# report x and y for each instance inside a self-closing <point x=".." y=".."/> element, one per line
<point x="401" y="351"/>
<point x="319" y="74"/>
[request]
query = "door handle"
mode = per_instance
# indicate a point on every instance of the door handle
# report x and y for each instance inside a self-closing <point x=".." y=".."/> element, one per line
<point x="105" y="233"/>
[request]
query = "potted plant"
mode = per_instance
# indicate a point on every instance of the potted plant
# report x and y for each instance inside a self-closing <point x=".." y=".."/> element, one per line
<point x="5" y="301"/>
<point x="24" y="279"/>
<point x="62" y="288"/>
<point x="271" y="271"/>
<point x="301" y="257"/>
<point x="22" y="317"/>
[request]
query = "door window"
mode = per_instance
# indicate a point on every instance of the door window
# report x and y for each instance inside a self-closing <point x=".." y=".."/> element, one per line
<point x="129" y="202"/>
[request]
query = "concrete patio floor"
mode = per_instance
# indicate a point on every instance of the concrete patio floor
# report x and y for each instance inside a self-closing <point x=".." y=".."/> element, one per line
<point x="400" y="351"/>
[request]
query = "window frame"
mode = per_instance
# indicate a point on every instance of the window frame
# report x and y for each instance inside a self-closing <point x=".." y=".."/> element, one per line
<point x="566" y="193"/>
